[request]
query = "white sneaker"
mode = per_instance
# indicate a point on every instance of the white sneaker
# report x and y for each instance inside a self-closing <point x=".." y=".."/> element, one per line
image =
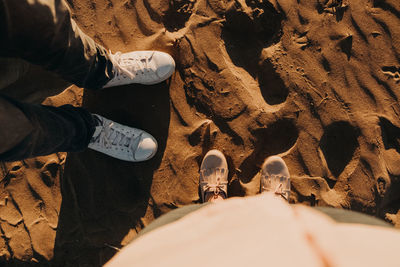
<point x="144" y="67"/>
<point x="275" y="177"/>
<point x="122" y="142"/>
<point x="214" y="175"/>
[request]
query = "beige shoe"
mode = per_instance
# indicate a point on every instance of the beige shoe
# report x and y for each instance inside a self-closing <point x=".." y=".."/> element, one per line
<point x="275" y="177"/>
<point x="214" y="175"/>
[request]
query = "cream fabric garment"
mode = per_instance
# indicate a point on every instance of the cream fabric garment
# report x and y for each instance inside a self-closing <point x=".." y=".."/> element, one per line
<point x="261" y="231"/>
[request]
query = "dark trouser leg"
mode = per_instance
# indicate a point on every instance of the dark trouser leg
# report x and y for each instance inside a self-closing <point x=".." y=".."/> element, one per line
<point x="29" y="130"/>
<point x="43" y="33"/>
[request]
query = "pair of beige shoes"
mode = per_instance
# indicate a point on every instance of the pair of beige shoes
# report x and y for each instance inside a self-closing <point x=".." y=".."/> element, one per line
<point x="275" y="176"/>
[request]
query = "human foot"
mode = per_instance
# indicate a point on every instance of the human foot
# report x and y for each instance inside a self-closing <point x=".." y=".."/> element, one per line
<point x="275" y="177"/>
<point x="213" y="176"/>
<point x="144" y="67"/>
<point x="122" y="142"/>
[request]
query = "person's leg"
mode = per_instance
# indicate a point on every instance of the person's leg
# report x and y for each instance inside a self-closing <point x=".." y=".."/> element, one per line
<point x="11" y="70"/>
<point x="43" y="33"/>
<point x="15" y="126"/>
<point x="29" y="130"/>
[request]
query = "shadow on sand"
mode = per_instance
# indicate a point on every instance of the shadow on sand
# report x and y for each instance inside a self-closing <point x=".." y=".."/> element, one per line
<point x="103" y="199"/>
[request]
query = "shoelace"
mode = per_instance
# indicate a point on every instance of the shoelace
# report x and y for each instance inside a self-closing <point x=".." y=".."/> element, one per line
<point x="136" y="66"/>
<point x="109" y="137"/>
<point x="216" y="189"/>
<point x="279" y="190"/>
<point x="213" y="181"/>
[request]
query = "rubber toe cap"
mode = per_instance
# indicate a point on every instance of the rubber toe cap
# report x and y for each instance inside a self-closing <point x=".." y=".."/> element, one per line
<point x="147" y="148"/>
<point x="214" y="159"/>
<point x="166" y="65"/>
<point x="275" y="165"/>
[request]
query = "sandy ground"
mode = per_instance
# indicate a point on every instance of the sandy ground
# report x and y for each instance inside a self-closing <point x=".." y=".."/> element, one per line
<point x="314" y="81"/>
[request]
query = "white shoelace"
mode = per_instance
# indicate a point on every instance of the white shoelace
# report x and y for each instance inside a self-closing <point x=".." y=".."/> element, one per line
<point x="279" y="190"/>
<point x="212" y="180"/>
<point x="130" y="66"/>
<point x="109" y="137"/>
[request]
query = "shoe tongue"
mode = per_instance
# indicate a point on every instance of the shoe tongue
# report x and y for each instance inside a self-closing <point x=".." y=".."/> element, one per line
<point x="97" y="131"/>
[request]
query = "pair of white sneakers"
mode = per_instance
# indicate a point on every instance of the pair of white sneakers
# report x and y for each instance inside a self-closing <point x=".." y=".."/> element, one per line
<point x="120" y="141"/>
<point x="275" y="176"/>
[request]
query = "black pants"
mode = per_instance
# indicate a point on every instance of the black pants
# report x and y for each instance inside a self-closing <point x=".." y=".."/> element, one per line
<point x="43" y="33"/>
